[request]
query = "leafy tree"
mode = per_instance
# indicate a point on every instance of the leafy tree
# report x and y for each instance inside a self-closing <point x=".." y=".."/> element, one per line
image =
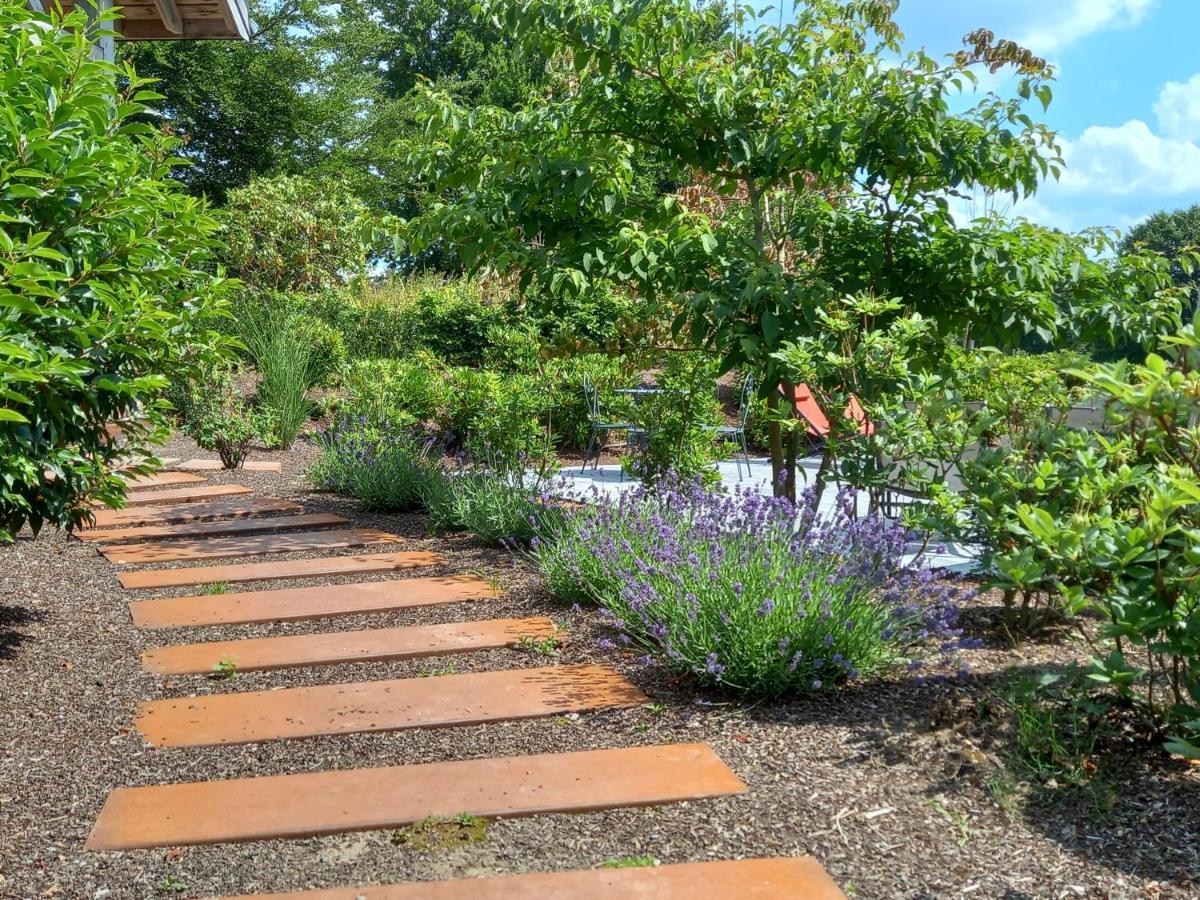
<point x="243" y="108"/>
<point x="104" y="272"/>
<point x="296" y="234"/>
<point x="1171" y="234"/>
<point x="817" y="167"/>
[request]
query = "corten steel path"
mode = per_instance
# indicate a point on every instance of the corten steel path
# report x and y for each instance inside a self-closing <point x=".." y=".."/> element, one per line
<point x="162" y="479"/>
<point x="214" y="465"/>
<point x="237" y="508"/>
<point x="441" y="702"/>
<point x="331" y="802"/>
<point x="184" y="494"/>
<point x="246" y="545"/>
<point x="346" y="646"/>
<point x="295" y="604"/>
<point x="309" y="804"/>
<point x="799" y="878"/>
<point x="283" y="569"/>
<point x="220" y="528"/>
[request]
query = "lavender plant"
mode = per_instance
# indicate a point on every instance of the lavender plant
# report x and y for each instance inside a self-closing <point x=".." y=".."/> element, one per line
<point x="502" y="503"/>
<point x="751" y="593"/>
<point x="386" y="468"/>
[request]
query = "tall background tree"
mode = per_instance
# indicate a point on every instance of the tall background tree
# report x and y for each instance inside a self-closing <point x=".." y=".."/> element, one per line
<point x="1171" y="233"/>
<point x="820" y="160"/>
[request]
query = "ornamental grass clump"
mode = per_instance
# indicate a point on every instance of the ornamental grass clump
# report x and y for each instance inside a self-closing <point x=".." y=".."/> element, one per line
<point x="750" y="593"/>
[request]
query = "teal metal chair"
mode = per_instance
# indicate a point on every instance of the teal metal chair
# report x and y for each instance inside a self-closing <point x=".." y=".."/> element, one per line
<point x="600" y="429"/>
<point x="737" y="433"/>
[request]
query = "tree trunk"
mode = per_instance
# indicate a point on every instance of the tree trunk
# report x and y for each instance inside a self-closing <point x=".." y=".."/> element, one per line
<point x="775" y="439"/>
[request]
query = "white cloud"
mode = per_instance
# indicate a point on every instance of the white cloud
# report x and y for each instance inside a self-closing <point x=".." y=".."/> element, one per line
<point x="1069" y="20"/>
<point x="1130" y="159"/>
<point x="1178" y="109"/>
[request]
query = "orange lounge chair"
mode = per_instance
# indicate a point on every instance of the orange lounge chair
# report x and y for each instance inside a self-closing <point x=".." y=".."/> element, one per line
<point x="818" y="423"/>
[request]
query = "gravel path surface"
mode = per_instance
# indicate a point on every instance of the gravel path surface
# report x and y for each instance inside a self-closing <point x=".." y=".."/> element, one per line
<point x="887" y="783"/>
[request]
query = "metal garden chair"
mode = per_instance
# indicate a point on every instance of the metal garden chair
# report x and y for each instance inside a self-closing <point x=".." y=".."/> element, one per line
<point x="737" y="433"/>
<point x="600" y="429"/>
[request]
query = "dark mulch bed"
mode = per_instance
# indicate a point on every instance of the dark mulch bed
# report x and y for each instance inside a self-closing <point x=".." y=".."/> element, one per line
<point x="890" y="784"/>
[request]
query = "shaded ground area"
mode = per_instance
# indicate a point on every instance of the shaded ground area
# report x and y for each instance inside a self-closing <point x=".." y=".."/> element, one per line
<point x="894" y="786"/>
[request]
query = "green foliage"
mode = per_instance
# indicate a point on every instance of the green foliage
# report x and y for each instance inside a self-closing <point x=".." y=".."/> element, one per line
<point x="629" y="862"/>
<point x="104" y="272"/>
<point x="1174" y="234"/>
<point x="1114" y="524"/>
<point x="747" y="592"/>
<point x="1017" y="388"/>
<point x="386" y="468"/>
<point x="219" y="419"/>
<point x="501" y="506"/>
<point x="285" y="356"/>
<point x="295" y="234"/>
<point x="745" y="257"/>
<point x="434" y="833"/>
<point x="486" y="413"/>
<point x="677" y="423"/>
<point x="262" y="107"/>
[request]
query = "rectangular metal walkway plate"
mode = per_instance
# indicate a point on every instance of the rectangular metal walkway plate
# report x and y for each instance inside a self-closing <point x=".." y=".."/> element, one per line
<point x="358" y="564"/>
<point x="184" y="494"/>
<point x="333" y="802"/>
<point x="234" y="508"/>
<point x="445" y="701"/>
<point x="245" y="545"/>
<point x="162" y="479"/>
<point x="214" y="465"/>
<point x="796" y="878"/>
<point x="257" y="525"/>
<point x="328" y="648"/>
<point x="295" y="604"/>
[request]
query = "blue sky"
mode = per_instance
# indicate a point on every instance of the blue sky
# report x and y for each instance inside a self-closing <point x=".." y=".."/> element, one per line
<point x="1126" y="101"/>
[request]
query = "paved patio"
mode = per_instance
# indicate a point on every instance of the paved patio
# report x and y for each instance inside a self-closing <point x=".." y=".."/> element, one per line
<point x="609" y="482"/>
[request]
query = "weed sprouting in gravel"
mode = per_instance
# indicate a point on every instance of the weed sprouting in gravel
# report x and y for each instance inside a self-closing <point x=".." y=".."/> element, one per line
<point x="630" y="862"/>
<point x="435" y="833"/>
<point x="225" y="670"/>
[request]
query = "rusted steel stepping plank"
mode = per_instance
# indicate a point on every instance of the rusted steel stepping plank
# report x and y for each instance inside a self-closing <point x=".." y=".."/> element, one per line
<point x="316" y="803"/>
<point x="246" y="545"/>
<point x="307" y="603"/>
<point x="799" y="878"/>
<point x="184" y="494"/>
<point x="214" y="465"/>
<point x="346" y="646"/>
<point x="260" y="525"/>
<point x="359" y="564"/>
<point x="395" y="705"/>
<point x="163" y="479"/>
<point x="234" y="508"/>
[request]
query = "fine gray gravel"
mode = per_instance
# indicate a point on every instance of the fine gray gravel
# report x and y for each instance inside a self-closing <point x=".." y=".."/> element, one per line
<point x="887" y="783"/>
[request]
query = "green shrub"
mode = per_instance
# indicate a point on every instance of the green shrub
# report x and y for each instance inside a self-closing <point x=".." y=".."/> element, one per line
<point x="291" y="233"/>
<point x="677" y="423"/>
<point x="564" y="378"/>
<point x="105" y="291"/>
<point x="396" y="390"/>
<point x="1113" y="523"/>
<point x="385" y="467"/>
<point x="729" y="590"/>
<point x="499" y="507"/>
<point x="1016" y="387"/>
<point x="450" y="319"/>
<point x="218" y="419"/>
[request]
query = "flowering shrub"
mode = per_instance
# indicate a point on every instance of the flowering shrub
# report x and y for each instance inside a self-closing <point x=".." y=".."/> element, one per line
<point x="752" y="593"/>
<point x="386" y="468"/>
<point x="502" y="506"/>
